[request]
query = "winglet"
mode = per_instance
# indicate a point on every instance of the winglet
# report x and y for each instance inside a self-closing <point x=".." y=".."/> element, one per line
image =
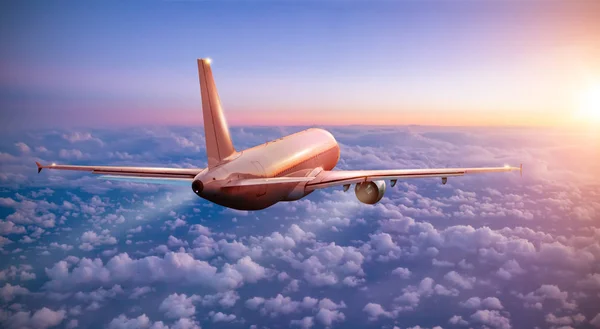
<point x="40" y="167"/>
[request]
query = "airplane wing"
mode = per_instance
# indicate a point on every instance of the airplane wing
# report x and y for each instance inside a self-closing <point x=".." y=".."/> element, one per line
<point x="345" y="177"/>
<point x="137" y="174"/>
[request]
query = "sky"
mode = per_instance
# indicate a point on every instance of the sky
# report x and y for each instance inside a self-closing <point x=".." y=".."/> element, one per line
<point x="453" y="63"/>
<point x="494" y="251"/>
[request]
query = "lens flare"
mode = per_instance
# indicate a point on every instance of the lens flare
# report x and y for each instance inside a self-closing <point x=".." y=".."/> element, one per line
<point x="589" y="105"/>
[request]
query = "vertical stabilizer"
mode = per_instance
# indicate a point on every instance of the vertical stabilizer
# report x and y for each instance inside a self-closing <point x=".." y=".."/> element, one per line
<point x="218" y="141"/>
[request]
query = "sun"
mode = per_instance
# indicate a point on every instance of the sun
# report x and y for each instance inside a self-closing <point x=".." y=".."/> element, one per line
<point x="589" y="104"/>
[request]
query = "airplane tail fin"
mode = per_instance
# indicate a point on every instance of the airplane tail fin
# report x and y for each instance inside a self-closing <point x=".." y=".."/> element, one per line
<point x="218" y="141"/>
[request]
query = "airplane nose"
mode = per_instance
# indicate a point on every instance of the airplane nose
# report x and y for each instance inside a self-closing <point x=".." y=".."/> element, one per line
<point x="197" y="186"/>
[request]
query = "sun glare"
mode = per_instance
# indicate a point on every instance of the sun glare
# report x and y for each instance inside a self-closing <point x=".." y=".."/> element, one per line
<point x="589" y="104"/>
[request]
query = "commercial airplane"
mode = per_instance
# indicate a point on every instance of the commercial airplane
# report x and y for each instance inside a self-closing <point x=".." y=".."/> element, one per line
<point x="285" y="169"/>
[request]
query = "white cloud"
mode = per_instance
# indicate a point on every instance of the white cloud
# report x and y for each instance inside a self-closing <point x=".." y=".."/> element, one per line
<point x="173" y="267"/>
<point x="140" y="291"/>
<point x="24" y="148"/>
<point x="141" y="322"/>
<point x="73" y="154"/>
<point x="41" y="319"/>
<point x="81" y="137"/>
<point x="596" y="321"/>
<point x="490" y="303"/>
<point x="183" y="323"/>
<point x="9" y="292"/>
<point x="491" y="318"/>
<point x="198" y="229"/>
<point x="535" y="298"/>
<point x="91" y="239"/>
<point x="327" y="317"/>
<point x="177" y="306"/>
<point x="99" y="295"/>
<point x="8" y="227"/>
<point x="374" y="311"/>
<point x="458" y="320"/>
<point x="459" y="280"/>
<point x="222" y="317"/>
<point x="174" y="242"/>
<point x="306" y="322"/>
<point x="327" y="264"/>
<point x="225" y="299"/>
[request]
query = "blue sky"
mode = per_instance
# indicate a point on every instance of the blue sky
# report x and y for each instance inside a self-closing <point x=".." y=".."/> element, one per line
<point x="405" y="62"/>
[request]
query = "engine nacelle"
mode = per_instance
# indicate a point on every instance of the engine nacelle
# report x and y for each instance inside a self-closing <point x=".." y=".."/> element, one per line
<point x="370" y="192"/>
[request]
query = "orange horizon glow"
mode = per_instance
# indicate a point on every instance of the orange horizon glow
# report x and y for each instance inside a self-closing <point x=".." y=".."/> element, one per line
<point x="366" y="118"/>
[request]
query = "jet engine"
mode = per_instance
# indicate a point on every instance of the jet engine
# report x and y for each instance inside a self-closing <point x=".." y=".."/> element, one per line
<point x="370" y="192"/>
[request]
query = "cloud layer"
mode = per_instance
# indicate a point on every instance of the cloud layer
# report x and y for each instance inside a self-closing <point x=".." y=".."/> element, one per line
<point x="489" y="251"/>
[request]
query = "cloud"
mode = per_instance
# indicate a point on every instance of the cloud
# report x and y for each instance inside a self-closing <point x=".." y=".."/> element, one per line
<point x="62" y="246"/>
<point x="9" y="292"/>
<point x="459" y="280"/>
<point x="596" y="321"/>
<point x="458" y="320"/>
<point x="41" y="319"/>
<point x="306" y="322"/>
<point x="140" y="291"/>
<point x="494" y="236"/>
<point x="591" y="281"/>
<point x="173" y="242"/>
<point x="564" y="320"/>
<point x="5" y="241"/>
<point x="13" y="273"/>
<point x="327" y="317"/>
<point x="328" y="264"/>
<point x="222" y="317"/>
<point x="545" y="292"/>
<point x="225" y="299"/>
<point x="99" y="295"/>
<point x="73" y="154"/>
<point x="490" y="303"/>
<point x="30" y="212"/>
<point x="142" y="321"/>
<point x="374" y="311"/>
<point x="327" y="311"/>
<point x="275" y="306"/>
<point x="75" y="137"/>
<point x="24" y="148"/>
<point x="177" y="306"/>
<point x="510" y="269"/>
<point x="412" y="295"/>
<point x="173" y="267"/>
<point x="91" y="239"/>
<point x="492" y="319"/>
<point x="184" y="323"/>
<point x="198" y="229"/>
